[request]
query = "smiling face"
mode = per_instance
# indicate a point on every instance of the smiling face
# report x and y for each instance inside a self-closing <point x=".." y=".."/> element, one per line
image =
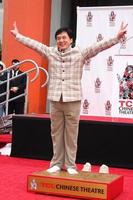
<point x="63" y="41"/>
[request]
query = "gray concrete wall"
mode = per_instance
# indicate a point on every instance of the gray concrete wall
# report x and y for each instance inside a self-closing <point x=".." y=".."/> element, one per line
<point x="60" y="16"/>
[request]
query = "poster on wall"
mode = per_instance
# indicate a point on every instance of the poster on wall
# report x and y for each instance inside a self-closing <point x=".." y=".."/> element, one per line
<point x="122" y="104"/>
<point x="102" y="79"/>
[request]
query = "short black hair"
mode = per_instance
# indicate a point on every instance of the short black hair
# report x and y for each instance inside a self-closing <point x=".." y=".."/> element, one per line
<point x="64" y="29"/>
<point x="1" y="67"/>
<point x="15" y="61"/>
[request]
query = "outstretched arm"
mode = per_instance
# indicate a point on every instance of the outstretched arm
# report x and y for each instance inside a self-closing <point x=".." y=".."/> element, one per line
<point x="103" y="45"/>
<point x="31" y="43"/>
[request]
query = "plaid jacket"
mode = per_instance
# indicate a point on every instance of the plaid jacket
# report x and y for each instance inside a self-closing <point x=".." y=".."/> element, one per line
<point x="65" y="68"/>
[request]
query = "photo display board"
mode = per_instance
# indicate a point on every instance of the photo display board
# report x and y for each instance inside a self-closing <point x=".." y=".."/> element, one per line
<point x="107" y="80"/>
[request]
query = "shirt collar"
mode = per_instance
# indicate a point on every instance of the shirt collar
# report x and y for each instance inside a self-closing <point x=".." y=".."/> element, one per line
<point x="64" y="51"/>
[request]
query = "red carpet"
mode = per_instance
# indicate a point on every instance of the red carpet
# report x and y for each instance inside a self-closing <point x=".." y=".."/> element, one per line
<point x="14" y="171"/>
<point x="5" y="138"/>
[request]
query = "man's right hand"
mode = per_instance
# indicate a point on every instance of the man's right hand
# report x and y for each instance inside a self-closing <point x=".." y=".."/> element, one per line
<point x="14" y="89"/>
<point x="14" y="31"/>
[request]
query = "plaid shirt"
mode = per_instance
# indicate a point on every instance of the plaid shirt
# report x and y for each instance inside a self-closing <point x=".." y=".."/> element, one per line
<point x="65" y="68"/>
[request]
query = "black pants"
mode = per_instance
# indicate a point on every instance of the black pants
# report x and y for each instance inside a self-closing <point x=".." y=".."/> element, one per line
<point x="16" y="107"/>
